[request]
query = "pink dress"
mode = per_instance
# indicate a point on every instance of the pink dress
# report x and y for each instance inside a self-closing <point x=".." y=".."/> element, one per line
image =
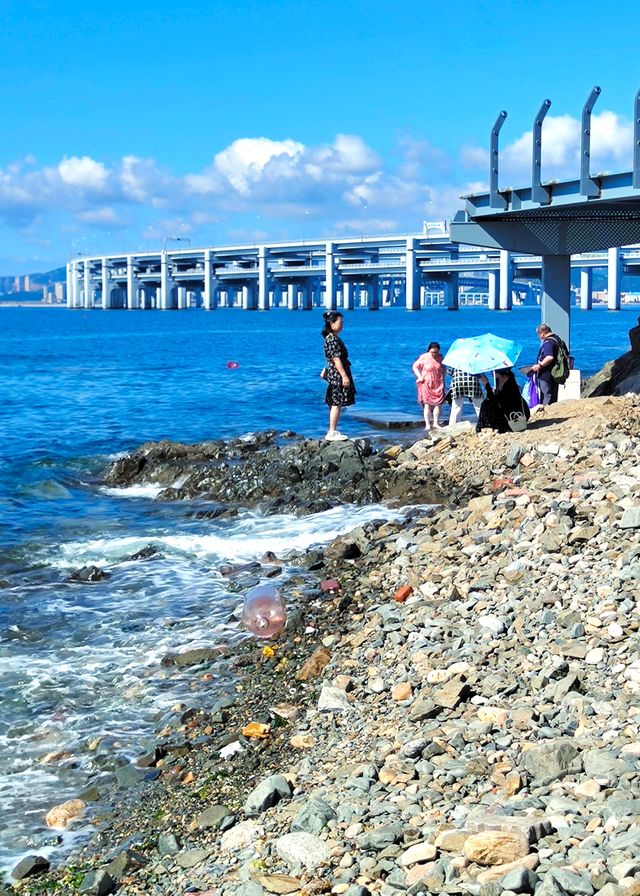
<point x="431" y="387"/>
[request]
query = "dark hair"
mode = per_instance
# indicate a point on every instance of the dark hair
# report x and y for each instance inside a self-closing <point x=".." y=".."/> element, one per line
<point x="330" y="317"/>
<point x="433" y="345"/>
<point x="505" y="371"/>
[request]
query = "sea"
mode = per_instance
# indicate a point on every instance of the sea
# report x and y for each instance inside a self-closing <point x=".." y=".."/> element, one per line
<point x="80" y="664"/>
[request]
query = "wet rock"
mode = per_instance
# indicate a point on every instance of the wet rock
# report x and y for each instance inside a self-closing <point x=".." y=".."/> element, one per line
<point x="30" y="866"/>
<point x="89" y="574"/>
<point x="61" y="816"/>
<point x="191" y="657"/>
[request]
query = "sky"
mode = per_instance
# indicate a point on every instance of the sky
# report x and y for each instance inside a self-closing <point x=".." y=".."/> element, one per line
<point x="137" y="126"/>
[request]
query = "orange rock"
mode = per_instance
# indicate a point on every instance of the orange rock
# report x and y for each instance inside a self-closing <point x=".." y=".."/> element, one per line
<point x="61" y="816"/>
<point x="314" y="665"/>
<point x="495" y="847"/>
<point x="256" y="730"/>
<point x="189" y="778"/>
<point x="401" y="691"/>
<point x="402" y="593"/>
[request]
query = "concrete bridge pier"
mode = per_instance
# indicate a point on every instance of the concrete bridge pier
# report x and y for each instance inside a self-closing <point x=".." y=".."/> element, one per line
<point x="182" y="298"/>
<point x="210" y="283"/>
<point x="614" y="279"/>
<point x="331" y="278"/>
<point x="494" y="290"/>
<point x="451" y="292"/>
<point x="373" y="293"/>
<point x="264" y="281"/>
<point x="347" y="295"/>
<point x="412" y="277"/>
<point x="306" y="296"/>
<point x="168" y="293"/>
<point x="88" y="287"/>
<point x="133" y="286"/>
<point x="505" y="299"/>
<point x="292" y="296"/>
<point x="586" y="289"/>
<point x="105" y="286"/>
<point x="556" y="293"/>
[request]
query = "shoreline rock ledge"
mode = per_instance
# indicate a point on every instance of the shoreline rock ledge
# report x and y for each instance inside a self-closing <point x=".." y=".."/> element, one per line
<point x="471" y="722"/>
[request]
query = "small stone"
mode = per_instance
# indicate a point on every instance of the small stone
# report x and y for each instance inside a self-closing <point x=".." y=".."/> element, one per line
<point x="333" y="700"/>
<point x="594" y="656"/>
<point x="301" y="849"/>
<point x="418" y="853"/>
<point x="401" y="691"/>
<point x="303" y="741"/>
<point x="314" y="665"/>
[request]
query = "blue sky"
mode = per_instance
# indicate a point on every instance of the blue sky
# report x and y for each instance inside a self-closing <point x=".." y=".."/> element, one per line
<point x="127" y="125"/>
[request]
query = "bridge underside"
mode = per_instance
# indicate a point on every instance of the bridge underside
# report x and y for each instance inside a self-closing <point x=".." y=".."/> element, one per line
<point x="554" y="221"/>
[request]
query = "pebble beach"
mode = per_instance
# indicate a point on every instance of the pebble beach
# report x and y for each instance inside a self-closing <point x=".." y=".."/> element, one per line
<point x="452" y="707"/>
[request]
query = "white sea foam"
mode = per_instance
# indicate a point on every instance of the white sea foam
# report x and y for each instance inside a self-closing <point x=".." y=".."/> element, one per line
<point x="239" y="540"/>
<point x="134" y="491"/>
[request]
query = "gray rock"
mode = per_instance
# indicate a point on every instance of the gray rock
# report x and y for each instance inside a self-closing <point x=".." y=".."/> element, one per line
<point x="189" y="858"/>
<point x="126" y="861"/>
<point x="213" y="817"/>
<point x="630" y="518"/>
<point x="333" y="700"/>
<point x="313" y="817"/>
<point x="573" y="883"/>
<point x="549" y="759"/>
<point x="30" y="866"/>
<point x="381" y="838"/>
<point x="602" y="764"/>
<point x="520" y="880"/>
<point x="97" y="883"/>
<point x="268" y="793"/>
<point x="301" y="849"/>
<point x="168" y="844"/>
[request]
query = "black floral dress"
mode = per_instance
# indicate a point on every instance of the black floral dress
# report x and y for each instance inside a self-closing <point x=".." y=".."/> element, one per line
<point x="338" y="395"/>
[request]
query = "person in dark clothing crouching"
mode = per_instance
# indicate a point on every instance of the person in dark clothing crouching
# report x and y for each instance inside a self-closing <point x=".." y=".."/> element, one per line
<point x="504" y="409"/>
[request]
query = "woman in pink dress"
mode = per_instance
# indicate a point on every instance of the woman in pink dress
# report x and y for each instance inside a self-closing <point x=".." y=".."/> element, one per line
<point x="429" y="374"/>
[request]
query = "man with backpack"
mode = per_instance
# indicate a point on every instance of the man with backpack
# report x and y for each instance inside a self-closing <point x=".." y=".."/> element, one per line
<point x="552" y="365"/>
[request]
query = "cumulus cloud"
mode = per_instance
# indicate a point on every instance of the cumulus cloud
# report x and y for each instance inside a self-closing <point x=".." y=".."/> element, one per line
<point x="85" y="173"/>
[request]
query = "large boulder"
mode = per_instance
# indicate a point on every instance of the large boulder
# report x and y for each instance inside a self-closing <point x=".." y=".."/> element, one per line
<point x="620" y="376"/>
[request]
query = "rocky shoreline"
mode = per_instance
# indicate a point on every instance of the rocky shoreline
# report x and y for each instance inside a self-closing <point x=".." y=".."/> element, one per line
<point x="458" y="714"/>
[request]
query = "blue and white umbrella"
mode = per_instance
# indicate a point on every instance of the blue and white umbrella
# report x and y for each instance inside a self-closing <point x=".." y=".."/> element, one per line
<point x="478" y="354"/>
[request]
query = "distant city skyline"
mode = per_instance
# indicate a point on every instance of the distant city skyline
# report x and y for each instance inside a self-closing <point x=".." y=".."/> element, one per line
<point x="226" y="123"/>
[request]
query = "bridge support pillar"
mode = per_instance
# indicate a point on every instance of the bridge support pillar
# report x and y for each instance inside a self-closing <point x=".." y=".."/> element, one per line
<point x="412" y="277"/>
<point x="373" y="294"/>
<point x="264" y="281"/>
<point x="74" y="294"/>
<point x="306" y="296"/>
<point x="210" y="283"/>
<point x="614" y="278"/>
<point x="104" y="280"/>
<point x="451" y="292"/>
<point x="292" y="297"/>
<point x="556" y="294"/>
<point x="182" y="298"/>
<point x="494" y="290"/>
<point x="133" y="286"/>
<point x="347" y="295"/>
<point x="586" y="289"/>
<point x="330" y="274"/>
<point x="505" y="299"/>
<point x="167" y="284"/>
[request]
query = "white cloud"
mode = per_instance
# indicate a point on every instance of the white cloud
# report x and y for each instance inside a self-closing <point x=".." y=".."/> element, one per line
<point x="84" y="173"/>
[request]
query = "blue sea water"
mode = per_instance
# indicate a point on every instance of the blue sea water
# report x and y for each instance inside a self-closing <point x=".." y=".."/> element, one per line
<point x="80" y="664"/>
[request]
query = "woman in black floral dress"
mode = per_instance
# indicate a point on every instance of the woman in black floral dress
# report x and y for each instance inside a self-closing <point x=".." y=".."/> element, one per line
<point x="341" y="391"/>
